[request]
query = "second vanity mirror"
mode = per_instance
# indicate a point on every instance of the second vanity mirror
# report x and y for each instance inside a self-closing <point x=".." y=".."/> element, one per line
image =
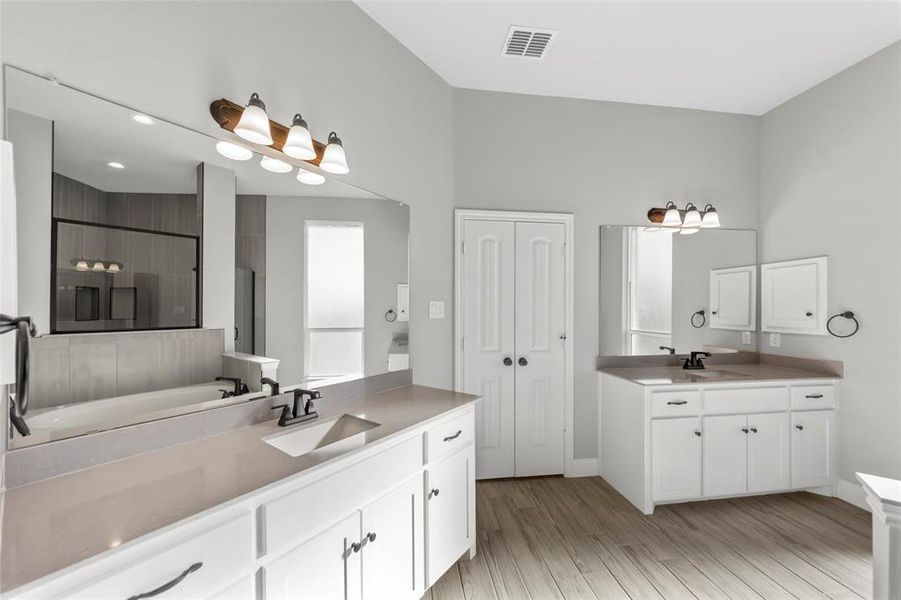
<point x="663" y="293"/>
<point x="156" y="267"/>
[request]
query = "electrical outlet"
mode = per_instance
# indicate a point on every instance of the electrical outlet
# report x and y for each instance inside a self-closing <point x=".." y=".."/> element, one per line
<point x="775" y="340"/>
<point x="436" y="309"/>
<point x="746" y="337"/>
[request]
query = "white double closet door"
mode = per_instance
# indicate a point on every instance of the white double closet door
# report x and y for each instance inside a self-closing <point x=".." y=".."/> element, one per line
<point x="514" y="344"/>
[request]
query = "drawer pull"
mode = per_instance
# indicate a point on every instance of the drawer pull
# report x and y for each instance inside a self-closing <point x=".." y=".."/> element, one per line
<point x="453" y="437"/>
<point x="814" y="396"/>
<point x="434" y="492"/>
<point x="168" y="586"/>
<point x="677" y="402"/>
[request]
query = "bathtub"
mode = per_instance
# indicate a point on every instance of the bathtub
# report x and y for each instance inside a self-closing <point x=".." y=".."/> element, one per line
<point x="84" y="417"/>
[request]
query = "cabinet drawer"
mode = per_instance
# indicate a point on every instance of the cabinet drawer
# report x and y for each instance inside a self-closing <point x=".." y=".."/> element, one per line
<point x="746" y="400"/>
<point x="675" y="404"/>
<point x="222" y="551"/>
<point x="812" y="397"/>
<point x="446" y="438"/>
<point x="288" y="520"/>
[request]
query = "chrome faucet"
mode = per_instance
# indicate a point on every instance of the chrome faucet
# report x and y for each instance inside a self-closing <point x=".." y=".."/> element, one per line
<point x="24" y="329"/>
<point x="693" y="363"/>
<point x="291" y="415"/>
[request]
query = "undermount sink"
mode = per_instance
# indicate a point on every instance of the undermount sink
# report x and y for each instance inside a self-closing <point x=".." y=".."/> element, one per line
<point x="716" y="374"/>
<point x="333" y="436"/>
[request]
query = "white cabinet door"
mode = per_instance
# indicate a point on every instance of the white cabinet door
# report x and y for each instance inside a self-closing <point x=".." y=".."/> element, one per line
<point x="793" y="296"/>
<point x="488" y="340"/>
<point x="448" y="512"/>
<point x="733" y="298"/>
<point x="768" y="452"/>
<point x="540" y="357"/>
<point x="813" y="434"/>
<point x="323" y="568"/>
<point x="725" y="455"/>
<point x="392" y="550"/>
<point x="676" y="450"/>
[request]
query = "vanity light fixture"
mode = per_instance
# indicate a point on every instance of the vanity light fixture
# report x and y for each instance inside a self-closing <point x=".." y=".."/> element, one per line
<point x="672" y="217"/>
<point x="253" y="125"/>
<point x="309" y="177"/>
<point x="299" y="143"/>
<point x="692" y="218"/>
<point x="142" y="119"/>
<point x="275" y="165"/>
<point x="234" y="151"/>
<point x="98" y="266"/>
<point x="115" y="165"/>
<point x="81" y="265"/>
<point x="333" y="159"/>
<point x="711" y="218"/>
<point x="113" y="268"/>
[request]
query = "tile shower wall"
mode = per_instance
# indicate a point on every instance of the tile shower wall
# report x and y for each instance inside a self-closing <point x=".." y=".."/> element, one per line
<point x="250" y="254"/>
<point x="80" y="367"/>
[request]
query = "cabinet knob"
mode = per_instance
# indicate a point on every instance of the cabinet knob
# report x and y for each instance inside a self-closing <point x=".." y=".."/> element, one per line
<point x="808" y="314"/>
<point x="434" y="492"/>
<point x="370" y="536"/>
<point x="744" y="430"/>
<point x="508" y="361"/>
<point x="698" y="433"/>
<point x="356" y="546"/>
<point x="799" y="427"/>
<point x="522" y="361"/>
<point x="753" y="430"/>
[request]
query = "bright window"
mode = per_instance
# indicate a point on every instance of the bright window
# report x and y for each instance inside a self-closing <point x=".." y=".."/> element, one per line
<point x="334" y="299"/>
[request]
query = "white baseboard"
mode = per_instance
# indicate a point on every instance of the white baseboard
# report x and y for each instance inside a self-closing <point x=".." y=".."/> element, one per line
<point x="852" y="493"/>
<point x="582" y="467"/>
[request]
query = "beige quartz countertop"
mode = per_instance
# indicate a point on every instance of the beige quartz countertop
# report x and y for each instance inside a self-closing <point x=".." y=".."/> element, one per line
<point x="713" y="374"/>
<point x="52" y="524"/>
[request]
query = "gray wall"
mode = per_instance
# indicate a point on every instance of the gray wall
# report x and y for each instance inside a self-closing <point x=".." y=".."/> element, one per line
<point x="385" y="235"/>
<point x="405" y="153"/>
<point x="606" y="163"/>
<point x="250" y="254"/>
<point x="610" y="291"/>
<point x="830" y="181"/>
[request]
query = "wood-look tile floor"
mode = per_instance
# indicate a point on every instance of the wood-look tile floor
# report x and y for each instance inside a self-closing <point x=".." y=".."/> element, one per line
<point x="554" y="538"/>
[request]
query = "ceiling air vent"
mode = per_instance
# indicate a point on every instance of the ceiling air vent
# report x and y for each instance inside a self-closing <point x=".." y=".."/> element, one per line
<point x="528" y="42"/>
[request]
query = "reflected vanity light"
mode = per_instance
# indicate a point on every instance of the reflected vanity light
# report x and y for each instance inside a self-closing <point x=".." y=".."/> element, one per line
<point x="113" y="268"/>
<point x="142" y="119"/>
<point x="81" y="265"/>
<point x="253" y="125"/>
<point x="299" y="143"/>
<point x="711" y="218"/>
<point x="333" y="159"/>
<point x="275" y="165"/>
<point x="98" y="266"/>
<point x="233" y="151"/>
<point x="692" y="218"/>
<point x="115" y="165"/>
<point x="309" y="177"/>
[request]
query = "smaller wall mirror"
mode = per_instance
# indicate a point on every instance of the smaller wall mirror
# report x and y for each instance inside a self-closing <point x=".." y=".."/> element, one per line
<point x="662" y="292"/>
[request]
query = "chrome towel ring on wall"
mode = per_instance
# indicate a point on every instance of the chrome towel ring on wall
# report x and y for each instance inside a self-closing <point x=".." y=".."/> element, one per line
<point x="694" y="322"/>
<point x="845" y="315"/>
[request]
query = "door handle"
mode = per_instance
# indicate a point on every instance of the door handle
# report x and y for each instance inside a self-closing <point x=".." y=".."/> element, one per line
<point x="508" y="361"/>
<point x="434" y="492"/>
<point x="522" y="361"/>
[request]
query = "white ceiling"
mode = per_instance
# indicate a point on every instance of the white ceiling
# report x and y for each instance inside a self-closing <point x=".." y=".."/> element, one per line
<point x="740" y="57"/>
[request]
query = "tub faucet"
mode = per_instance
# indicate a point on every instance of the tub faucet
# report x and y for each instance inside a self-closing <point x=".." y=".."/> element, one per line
<point x="273" y="385"/>
<point x="25" y="330"/>
<point x="240" y="388"/>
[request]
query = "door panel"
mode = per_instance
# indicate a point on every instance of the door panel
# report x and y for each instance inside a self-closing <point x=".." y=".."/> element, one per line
<point x="488" y="338"/>
<point x="676" y="460"/>
<point x="447" y="512"/>
<point x="391" y="554"/>
<point x="768" y="460"/>
<point x="812" y="436"/>
<point x="725" y="455"/>
<point x="323" y="568"/>
<point x="540" y="358"/>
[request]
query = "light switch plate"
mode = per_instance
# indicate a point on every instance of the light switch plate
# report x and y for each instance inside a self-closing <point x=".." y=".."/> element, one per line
<point x="436" y="309"/>
<point x="745" y="337"/>
<point x="775" y="340"/>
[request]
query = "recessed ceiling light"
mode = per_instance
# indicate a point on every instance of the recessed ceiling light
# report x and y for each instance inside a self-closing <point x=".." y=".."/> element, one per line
<point x="309" y="177"/>
<point x="275" y="165"/>
<point x="115" y="165"/>
<point x="233" y="151"/>
<point x="142" y="119"/>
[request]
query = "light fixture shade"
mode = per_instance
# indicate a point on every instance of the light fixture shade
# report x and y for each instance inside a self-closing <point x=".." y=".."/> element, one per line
<point x="692" y="217"/>
<point x="672" y="218"/>
<point x="309" y="177"/>
<point x="253" y="125"/>
<point x="81" y="265"/>
<point x="275" y="165"/>
<point x="99" y="266"/>
<point x="710" y="218"/>
<point x="299" y="143"/>
<point x="113" y="268"/>
<point x="333" y="159"/>
<point x="234" y="151"/>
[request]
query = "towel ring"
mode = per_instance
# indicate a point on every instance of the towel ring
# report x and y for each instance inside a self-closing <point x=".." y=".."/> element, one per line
<point x="699" y="313"/>
<point x="391" y="316"/>
<point x="845" y="315"/>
